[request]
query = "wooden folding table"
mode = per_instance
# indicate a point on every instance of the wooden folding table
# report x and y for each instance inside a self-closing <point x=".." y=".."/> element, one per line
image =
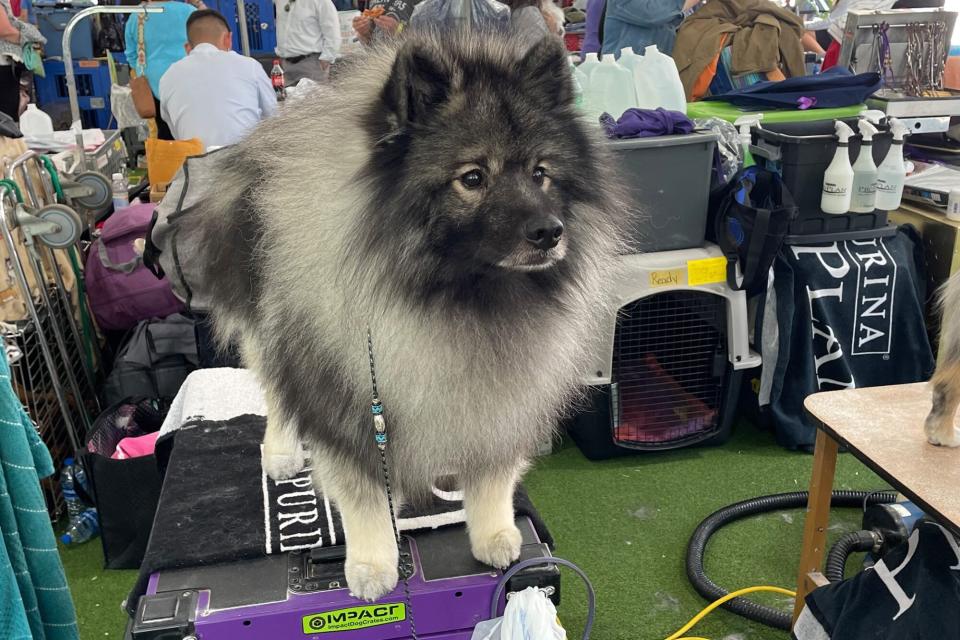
<point x="883" y="428"/>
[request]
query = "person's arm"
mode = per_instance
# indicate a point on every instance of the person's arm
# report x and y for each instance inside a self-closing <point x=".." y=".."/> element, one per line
<point x="165" y="100"/>
<point x="130" y="41"/>
<point x="363" y="26"/>
<point x="809" y="42"/>
<point x="330" y="31"/>
<point x="8" y="32"/>
<point x="266" y="96"/>
<point x="645" y="13"/>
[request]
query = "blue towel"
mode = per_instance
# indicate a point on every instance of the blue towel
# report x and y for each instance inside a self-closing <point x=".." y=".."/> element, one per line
<point x="35" y="599"/>
<point x="835" y="87"/>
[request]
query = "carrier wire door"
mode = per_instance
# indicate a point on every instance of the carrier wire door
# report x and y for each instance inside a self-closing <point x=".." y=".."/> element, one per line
<point x="669" y="370"/>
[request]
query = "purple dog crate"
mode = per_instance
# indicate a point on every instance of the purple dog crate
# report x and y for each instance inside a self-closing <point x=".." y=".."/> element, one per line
<point x="303" y="595"/>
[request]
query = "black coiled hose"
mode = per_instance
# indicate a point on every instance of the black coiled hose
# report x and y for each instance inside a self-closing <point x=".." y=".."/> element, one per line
<point x="696" y="548"/>
<point x="851" y="542"/>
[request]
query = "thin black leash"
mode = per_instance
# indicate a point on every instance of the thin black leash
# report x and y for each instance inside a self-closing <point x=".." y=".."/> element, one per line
<point x="380" y="433"/>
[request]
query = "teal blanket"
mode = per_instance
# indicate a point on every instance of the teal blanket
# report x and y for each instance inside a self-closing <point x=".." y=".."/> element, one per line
<point x="35" y="601"/>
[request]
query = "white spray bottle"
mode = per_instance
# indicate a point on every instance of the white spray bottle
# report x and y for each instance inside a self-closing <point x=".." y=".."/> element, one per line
<point x="892" y="173"/>
<point x="838" y="178"/>
<point x="863" y="197"/>
<point x="744" y="124"/>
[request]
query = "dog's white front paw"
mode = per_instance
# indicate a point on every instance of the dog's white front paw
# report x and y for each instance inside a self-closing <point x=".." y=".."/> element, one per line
<point x="282" y="464"/>
<point x="498" y="548"/>
<point x="370" y="578"/>
<point x="941" y="439"/>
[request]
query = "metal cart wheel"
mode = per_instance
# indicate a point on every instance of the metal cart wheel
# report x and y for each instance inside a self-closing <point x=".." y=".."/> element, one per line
<point x="69" y="222"/>
<point x="102" y="191"/>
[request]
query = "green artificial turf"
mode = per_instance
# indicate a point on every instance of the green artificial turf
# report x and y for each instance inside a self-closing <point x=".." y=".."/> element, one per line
<point x="626" y="522"/>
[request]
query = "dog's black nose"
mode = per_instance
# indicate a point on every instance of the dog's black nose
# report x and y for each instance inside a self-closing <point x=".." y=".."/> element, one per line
<point x="544" y="232"/>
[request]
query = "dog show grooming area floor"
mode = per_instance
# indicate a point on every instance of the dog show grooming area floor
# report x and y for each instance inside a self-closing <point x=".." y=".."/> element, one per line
<point x="626" y="522"/>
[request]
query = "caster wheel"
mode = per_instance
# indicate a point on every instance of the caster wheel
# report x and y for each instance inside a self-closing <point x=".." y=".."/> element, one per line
<point x="69" y="222"/>
<point x="101" y="187"/>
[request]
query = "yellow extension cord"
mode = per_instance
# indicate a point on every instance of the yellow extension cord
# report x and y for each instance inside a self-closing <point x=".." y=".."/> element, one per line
<point x="730" y="596"/>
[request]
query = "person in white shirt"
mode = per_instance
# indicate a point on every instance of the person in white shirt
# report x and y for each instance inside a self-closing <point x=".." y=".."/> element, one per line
<point x="214" y="94"/>
<point x="308" y="38"/>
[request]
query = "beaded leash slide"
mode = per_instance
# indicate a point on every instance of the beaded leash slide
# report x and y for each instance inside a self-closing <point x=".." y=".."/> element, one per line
<point x="404" y="567"/>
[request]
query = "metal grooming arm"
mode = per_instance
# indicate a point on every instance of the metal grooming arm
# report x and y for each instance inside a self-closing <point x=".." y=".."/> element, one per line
<point x="68" y="65"/>
<point x="242" y="27"/>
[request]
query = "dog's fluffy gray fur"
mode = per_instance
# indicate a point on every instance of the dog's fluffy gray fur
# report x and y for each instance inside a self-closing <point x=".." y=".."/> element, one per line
<point x="940" y="427"/>
<point x="349" y="209"/>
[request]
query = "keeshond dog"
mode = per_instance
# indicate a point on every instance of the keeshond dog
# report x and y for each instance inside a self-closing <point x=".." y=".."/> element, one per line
<point x="946" y="381"/>
<point x="444" y="193"/>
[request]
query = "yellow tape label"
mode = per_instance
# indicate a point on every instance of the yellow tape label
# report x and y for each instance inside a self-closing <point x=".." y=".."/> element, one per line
<point x="354" y="618"/>
<point x="706" y="271"/>
<point x="667" y="278"/>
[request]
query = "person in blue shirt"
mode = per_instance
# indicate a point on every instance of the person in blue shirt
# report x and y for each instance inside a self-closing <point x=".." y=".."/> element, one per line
<point x="640" y="23"/>
<point x="164" y="37"/>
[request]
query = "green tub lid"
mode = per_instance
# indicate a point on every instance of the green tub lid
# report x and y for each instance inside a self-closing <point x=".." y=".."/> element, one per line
<point x="728" y="112"/>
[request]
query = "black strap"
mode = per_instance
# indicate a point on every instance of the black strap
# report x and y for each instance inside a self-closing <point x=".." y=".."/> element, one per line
<point x="603" y="18"/>
<point x="299" y="59"/>
<point x="755" y="250"/>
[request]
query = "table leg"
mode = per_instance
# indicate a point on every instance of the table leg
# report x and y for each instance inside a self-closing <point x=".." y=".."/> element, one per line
<point x="818" y="517"/>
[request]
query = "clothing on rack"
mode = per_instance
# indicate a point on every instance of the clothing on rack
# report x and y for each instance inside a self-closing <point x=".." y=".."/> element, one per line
<point x="763" y="37"/>
<point x="36" y="598"/>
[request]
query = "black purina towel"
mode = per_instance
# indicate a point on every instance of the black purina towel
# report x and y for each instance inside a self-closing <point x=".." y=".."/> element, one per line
<point x="218" y="506"/>
<point x="910" y="594"/>
<point x="850" y="315"/>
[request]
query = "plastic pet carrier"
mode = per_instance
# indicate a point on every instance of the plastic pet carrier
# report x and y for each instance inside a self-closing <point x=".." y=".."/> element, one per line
<point x="667" y="373"/>
<point x="801" y="152"/>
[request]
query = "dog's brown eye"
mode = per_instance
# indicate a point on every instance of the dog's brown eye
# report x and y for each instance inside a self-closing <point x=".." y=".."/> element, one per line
<point x="539" y="174"/>
<point x="472" y="179"/>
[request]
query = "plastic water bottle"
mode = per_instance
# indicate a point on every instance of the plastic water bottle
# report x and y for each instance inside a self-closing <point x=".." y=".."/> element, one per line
<point x="579" y="80"/>
<point x="67" y="486"/>
<point x="80" y="479"/>
<point x="120" y="197"/>
<point x="83" y="528"/>
<point x="35" y="123"/>
<point x="611" y="89"/>
<point x="629" y="59"/>
<point x="590" y="62"/>
<point x="657" y="82"/>
<point x="276" y="78"/>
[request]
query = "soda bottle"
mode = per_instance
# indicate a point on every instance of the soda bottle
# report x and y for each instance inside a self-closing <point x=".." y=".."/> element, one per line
<point x="83" y="528"/>
<point x="276" y="76"/>
<point x="68" y="487"/>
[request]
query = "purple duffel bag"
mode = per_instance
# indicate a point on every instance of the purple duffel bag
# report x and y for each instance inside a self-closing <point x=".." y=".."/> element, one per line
<point x="122" y="291"/>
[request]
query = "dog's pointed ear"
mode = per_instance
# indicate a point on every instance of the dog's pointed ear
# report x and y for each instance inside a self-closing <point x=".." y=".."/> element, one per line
<point x="545" y="73"/>
<point x="420" y="81"/>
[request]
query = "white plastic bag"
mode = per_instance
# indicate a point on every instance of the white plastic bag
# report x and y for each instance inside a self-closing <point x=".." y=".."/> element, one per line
<point x="529" y="615"/>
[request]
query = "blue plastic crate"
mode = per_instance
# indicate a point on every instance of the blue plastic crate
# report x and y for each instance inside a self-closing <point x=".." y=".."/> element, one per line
<point x="53" y="20"/>
<point x="261" y="25"/>
<point x="92" y="78"/>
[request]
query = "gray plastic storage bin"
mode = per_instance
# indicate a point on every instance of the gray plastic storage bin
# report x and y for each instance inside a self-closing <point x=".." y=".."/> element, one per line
<point x="669" y="181"/>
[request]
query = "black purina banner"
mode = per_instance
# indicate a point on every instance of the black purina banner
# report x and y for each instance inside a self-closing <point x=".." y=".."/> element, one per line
<point x="850" y="315"/>
<point x="909" y="594"/>
<point x="295" y="517"/>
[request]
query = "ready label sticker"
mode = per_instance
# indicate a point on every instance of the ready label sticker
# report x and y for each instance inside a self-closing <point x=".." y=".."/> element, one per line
<point x="667" y="278"/>
<point x="354" y="618"/>
<point x="706" y="271"/>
